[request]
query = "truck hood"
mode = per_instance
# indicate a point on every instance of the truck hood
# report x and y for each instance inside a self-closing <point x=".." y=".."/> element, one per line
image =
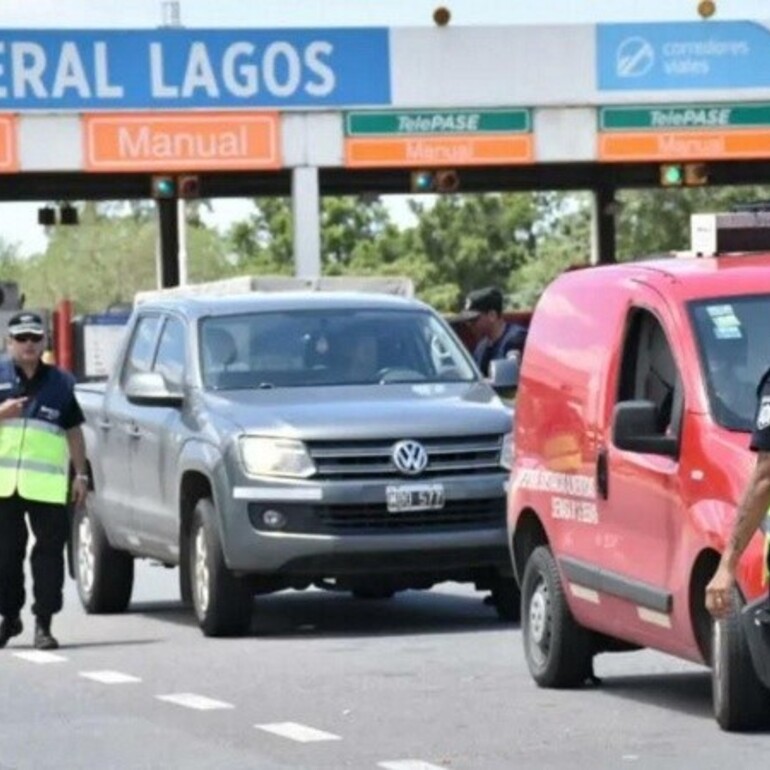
<point x="379" y="411"/>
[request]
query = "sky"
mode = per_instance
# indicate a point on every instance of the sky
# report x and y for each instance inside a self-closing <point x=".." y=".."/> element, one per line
<point x="18" y="221"/>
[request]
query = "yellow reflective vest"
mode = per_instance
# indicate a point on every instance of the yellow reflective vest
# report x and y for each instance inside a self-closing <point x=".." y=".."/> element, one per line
<point x="34" y="454"/>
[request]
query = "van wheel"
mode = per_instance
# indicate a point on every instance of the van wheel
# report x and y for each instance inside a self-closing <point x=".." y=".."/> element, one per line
<point x="222" y="602"/>
<point x="506" y="599"/>
<point x="741" y="702"/>
<point x="104" y="575"/>
<point x="557" y="649"/>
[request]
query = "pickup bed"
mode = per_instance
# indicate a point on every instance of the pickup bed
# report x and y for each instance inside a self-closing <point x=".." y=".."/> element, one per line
<point x="273" y="441"/>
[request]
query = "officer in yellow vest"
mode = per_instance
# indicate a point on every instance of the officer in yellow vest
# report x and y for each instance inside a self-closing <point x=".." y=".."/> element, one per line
<point x="40" y="436"/>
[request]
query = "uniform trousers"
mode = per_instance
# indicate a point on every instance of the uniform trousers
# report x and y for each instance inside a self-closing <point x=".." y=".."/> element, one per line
<point x="50" y="525"/>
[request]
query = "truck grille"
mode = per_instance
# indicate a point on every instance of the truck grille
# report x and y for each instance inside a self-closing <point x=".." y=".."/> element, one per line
<point x="455" y="456"/>
<point x="464" y="514"/>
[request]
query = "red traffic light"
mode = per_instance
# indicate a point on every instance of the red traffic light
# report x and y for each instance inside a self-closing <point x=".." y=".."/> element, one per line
<point x="189" y="186"/>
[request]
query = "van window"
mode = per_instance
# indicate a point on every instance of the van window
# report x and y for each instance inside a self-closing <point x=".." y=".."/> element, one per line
<point x="649" y="372"/>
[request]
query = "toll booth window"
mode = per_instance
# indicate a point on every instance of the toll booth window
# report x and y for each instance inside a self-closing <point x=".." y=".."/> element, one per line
<point x="170" y="359"/>
<point x="649" y="371"/>
<point x="140" y="353"/>
<point x="734" y="349"/>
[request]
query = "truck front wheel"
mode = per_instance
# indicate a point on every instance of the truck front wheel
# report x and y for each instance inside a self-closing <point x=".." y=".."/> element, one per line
<point x="557" y="649"/>
<point x="104" y="575"/>
<point x="222" y="602"/>
<point x="741" y="702"/>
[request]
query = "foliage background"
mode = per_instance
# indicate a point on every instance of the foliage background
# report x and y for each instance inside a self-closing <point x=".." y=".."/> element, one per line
<point x="519" y="241"/>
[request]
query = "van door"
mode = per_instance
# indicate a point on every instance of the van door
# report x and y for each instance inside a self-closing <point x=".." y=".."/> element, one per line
<point x="641" y="517"/>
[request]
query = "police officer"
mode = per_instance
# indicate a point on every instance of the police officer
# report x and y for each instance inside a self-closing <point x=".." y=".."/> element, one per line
<point x="752" y="508"/>
<point x="498" y="337"/>
<point x="39" y="435"/>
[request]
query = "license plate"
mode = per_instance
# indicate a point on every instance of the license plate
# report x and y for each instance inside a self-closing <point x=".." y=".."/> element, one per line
<point x="414" y="497"/>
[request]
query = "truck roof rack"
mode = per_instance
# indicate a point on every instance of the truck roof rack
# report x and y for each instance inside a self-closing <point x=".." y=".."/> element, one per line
<point x="747" y="230"/>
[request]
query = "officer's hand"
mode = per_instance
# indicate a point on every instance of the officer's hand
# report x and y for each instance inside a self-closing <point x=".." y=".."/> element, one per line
<point x="79" y="492"/>
<point x="12" y="407"/>
<point x="719" y="593"/>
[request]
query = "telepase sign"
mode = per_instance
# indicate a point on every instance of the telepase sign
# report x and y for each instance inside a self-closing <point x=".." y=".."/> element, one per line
<point x="185" y="68"/>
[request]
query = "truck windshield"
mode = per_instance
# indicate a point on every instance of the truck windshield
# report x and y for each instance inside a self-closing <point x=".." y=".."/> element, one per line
<point x="735" y="353"/>
<point x="330" y="347"/>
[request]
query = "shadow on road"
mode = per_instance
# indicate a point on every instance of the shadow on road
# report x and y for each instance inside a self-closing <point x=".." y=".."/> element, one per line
<point x="686" y="692"/>
<point x="303" y="614"/>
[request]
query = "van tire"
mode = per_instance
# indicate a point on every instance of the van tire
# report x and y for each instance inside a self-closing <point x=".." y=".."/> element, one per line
<point x="559" y="652"/>
<point x="104" y="575"/>
<point x="741" y="701"/>
<point x="222" y="602"/>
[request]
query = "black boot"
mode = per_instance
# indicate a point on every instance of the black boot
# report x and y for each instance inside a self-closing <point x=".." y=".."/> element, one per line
<point x="9" y="628"/>
<point x="44" y="639"/>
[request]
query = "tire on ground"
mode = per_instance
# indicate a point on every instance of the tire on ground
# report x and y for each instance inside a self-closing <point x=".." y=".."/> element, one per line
<point x="506" y="599"/>
<point x="741" y="702"/>
<point x="558" y="651"/>
<point x="222" y="602"/>
<point x="104" y="575"/>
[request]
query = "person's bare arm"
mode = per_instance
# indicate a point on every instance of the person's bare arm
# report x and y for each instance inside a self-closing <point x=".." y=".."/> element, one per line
<point x="751" y="510"/>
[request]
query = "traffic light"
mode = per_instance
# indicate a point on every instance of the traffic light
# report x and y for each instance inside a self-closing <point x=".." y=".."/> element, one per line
<point x="68" y="214"/>
<point x="189" y="186"/>
<point x="46" y="216"/>
<point x="696" y="174"/>
<point x="684" y="174"/>
<point x="441" y="181"/>
<point x="671" y="175"/>
<point x="163" y="187"/>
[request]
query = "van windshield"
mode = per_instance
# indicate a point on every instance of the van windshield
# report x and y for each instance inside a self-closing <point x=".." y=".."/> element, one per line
<point x="735" y="352"/>
<point x="329" y="347"/>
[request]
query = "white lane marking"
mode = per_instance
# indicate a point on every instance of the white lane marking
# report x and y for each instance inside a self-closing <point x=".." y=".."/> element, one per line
<point x="192" y="701"/>
<point x="656" y="618"/>
<point x="409" y="764"/>
<point x="109" y="677"/>
<point x="581" y="592"/>
<point x="297" y="732"/>
<point x="40" y="656"/>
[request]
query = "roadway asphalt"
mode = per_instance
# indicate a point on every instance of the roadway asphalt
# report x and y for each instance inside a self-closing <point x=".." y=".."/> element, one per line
<point x="425" y="681"/>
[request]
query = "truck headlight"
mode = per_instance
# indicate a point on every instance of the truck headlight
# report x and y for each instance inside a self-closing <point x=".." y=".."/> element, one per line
<point x="506" y="452"/>
<point x="275" y="457"/>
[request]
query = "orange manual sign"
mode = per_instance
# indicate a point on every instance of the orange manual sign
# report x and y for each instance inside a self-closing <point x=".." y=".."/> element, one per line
<point x="9" y="158"/>
<point x="438" y="151"/>
<point x="684" y="132"/>
<point x="219" y="141"/>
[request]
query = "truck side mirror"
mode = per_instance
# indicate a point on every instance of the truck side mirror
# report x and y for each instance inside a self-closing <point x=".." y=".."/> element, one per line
<point x="150" y="389"/>
<point x="504" y="376"/>
<point x="634" y="427"/>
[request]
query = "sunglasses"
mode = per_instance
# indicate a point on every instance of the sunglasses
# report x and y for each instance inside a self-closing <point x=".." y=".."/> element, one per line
<point x="28" y="337"/>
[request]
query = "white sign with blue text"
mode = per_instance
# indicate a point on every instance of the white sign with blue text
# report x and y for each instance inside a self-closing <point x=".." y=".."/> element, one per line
<point x="185" y="68"/>
<point x="683" y="56"/>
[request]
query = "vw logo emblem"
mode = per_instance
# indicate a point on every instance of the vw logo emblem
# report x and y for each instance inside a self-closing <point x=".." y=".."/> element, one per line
<point x="410" y="457"/>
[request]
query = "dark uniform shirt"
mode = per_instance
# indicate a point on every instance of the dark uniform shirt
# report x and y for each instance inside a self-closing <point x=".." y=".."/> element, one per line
<point x="760" y="438"/>
<point x="512" y="338"/>
<point x="71" y="416"/>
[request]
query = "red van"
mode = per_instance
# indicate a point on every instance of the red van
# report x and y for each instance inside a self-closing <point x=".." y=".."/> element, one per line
<point x="636" y="401"/>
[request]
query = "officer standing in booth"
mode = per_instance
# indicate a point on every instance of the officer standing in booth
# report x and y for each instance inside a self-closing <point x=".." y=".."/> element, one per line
<point x="40" y="434"/>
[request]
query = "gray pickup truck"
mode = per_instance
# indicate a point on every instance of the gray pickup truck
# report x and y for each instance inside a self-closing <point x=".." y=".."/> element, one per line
<point x="273" y="441"/>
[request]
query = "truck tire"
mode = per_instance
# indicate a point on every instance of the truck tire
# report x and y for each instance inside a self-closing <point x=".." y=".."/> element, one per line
<point x="104" y="575"/>
<point x="222" y="602"/>
<point x="558" y="650"/>
<point x="741" y="702"/>
<point x="506" y="599"/>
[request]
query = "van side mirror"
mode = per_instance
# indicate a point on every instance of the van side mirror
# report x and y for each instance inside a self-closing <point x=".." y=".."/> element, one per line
<point x="635" y="428"/>
<point x="150" y="389"/>
<point x="504" y="376"/>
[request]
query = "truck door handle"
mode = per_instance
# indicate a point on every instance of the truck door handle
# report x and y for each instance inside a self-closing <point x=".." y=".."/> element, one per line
<point x="133" y="430"/>
<point x="104" y="424"/>
<point x="602" y="474"/>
